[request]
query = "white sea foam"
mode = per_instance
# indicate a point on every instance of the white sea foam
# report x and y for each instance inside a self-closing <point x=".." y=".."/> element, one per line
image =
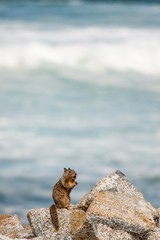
<point x="86" y="49"/>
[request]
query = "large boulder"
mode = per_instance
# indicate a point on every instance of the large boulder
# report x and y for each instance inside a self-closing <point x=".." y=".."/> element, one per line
<point x="70" y="221"/>
<point x="113" y="210"/>
<point x="40" y="223"/>
<point x="122" y="212"/>
<point x="116" y="181"/>
<point x="12" y="228"/>
<point x="10" y="225"/>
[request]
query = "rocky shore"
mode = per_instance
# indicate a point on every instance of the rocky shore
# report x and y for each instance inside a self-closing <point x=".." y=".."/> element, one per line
<point x="113" y="210"/>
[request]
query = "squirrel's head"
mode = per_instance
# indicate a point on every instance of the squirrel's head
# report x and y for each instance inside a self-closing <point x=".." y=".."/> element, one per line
<point x="70" y="173"/>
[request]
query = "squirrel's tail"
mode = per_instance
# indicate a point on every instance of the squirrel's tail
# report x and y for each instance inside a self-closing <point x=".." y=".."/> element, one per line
<point x="54" y="217"/>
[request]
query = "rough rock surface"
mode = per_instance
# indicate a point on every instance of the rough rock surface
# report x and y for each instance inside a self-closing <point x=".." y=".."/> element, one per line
<point x="123" y="212"/>
<point x="154" y="235"/>
<point x="3" y="237"/>
<point x="116" y="181"/>
<point x="70" y="221"/>
<point x="100" y="231"/>
<point x="26" y="232"/>
<point x="103" y="232"/>
<point x="84" y="232"/>
<point x="10" y="225"/>
<point x="40" y="223"/>
<point x="158" y="215"/>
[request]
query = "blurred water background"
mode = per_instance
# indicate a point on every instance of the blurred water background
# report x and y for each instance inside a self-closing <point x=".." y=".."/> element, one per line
<point x="79" y="88"/>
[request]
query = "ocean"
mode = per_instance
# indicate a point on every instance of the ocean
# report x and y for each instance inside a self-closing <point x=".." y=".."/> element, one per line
<point x="79" y="88"/>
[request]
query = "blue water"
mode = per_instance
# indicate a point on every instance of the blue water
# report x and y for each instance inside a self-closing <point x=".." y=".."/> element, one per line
<point x="79" y="88"/>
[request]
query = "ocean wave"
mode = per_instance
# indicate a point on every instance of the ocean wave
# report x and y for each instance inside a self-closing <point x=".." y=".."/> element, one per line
<point x="89" y="49"/>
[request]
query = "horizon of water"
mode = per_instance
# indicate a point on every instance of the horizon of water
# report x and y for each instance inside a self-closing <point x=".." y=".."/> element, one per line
<point x="79" y="88"/>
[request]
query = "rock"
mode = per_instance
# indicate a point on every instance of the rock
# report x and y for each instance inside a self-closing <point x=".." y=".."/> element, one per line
<point x="103" y="232"/>
<point x="70" y="221"/>
<point x="116" y="181"/>
<point x="154" y="235"/>
<point x="123" y="212"/>
<point x="26" y="233"/>
<point x="100" y="231"/>
<point x="71" y="225"/>
<point x="77" y="218"/>
<point x="158" y="211"/>
<point x="158" y="217"/>
<point x="10" y="225"/>
<point x="113" y="210"/>
<point x="40" y="223"/>
<point x="84" y="232"/>
<point x="2" y="237"/>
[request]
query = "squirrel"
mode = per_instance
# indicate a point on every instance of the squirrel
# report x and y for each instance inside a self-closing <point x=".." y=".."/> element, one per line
<point x="61" y="194"/>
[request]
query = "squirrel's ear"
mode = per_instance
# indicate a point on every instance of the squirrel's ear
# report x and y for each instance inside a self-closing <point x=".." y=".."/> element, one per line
<point x="65" y="169"/>
<point x="69" y="169"/>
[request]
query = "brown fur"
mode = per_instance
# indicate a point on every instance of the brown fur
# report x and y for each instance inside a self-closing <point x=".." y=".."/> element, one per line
<point x="61" y="194"/>
<point x="54" y="216"/>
